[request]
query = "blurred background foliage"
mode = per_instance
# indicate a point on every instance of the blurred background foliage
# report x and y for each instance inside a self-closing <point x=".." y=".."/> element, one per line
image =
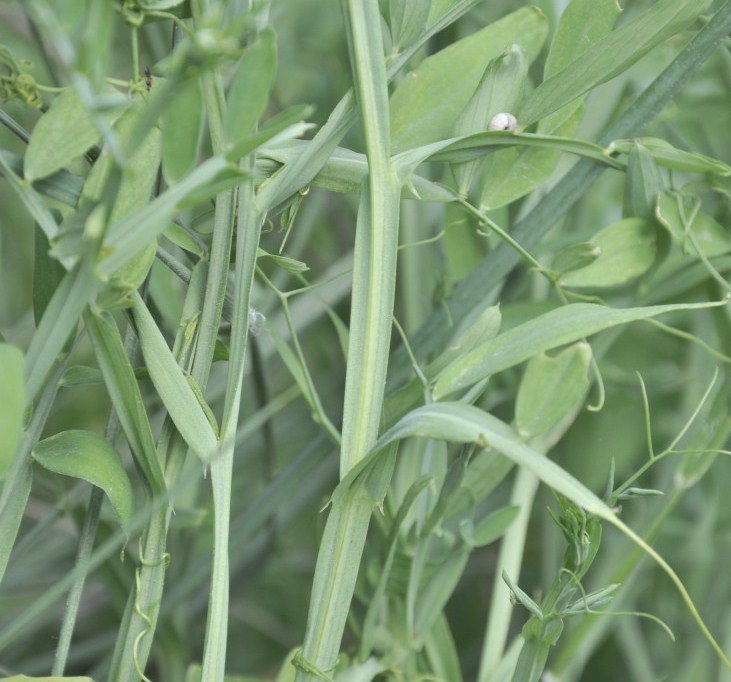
<point x="285" y="467"/>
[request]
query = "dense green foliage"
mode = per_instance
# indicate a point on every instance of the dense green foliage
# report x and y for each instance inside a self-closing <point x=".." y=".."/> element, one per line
<point x="316" y="365"/>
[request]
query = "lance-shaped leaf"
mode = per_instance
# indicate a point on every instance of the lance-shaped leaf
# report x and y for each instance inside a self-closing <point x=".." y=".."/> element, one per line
<point x="182" y="402"/>
<point x="249" y="92"/>
<point x="558" y="327"/>
<point x="124" y="392"/>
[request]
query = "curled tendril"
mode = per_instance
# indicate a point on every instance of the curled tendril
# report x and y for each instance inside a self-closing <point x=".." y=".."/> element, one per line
<point x="132" y="12"/>
<point x="165" y="561"/>
<point x="15" y="83"/>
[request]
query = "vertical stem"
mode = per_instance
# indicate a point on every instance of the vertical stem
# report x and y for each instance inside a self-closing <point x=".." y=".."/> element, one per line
<point x="247" y="241"/>
<point x="374" y="279"/>
<point x="376" y="241"/>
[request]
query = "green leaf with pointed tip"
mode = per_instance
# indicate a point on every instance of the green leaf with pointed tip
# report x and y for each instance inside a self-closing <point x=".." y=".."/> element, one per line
<point x="667" y="156"/>
<point x="627" y="249"/>
<point x="63" y="134"/>
<point x="181" y="401"/>
<point x="427" y="101"/>
<point x="181" y="131"/>
<point x="249" y="92"/>
<point x="86" y="455"/>
<point x="560" y="326"/>
<point x="290" y="265"/>
<point x="612" y="55"/>
<point x="124" y="392"/>
<point x="551" y="391"/>
<point x="575" y="257"/>
<point x="11" y="399"/>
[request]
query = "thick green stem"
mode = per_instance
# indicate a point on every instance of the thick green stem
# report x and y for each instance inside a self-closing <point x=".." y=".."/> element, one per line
<point x="374" y="279"/>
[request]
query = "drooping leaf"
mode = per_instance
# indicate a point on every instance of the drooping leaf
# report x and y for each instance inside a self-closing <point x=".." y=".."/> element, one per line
<point x="86" y="455"/>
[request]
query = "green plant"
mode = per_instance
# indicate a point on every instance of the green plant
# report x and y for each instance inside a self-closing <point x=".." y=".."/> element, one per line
<point x="194" y="273"/>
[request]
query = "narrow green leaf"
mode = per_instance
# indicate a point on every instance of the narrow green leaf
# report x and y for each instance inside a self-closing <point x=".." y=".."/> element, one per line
<point x="290" y="265"/>
<point x="86" y="455"/>
<point x="563" y="325"/>
<point x="458" y="149"/>
<point x="551" y="391"/>
<point x="514" y="172"/>
<point x="627" y="249"/>
<point x="642" y="184"/>
<point x="441" y="651"/>
<point x="63" y="134"/>
<point x="181" y="131"/>
<point x="57" y="324"/>
<point x="31" y="199"/>
<point x="427" y="101"/>
<point x="173" y="387"/>
<point x="12" y="401"/>
<point x="249" y="92"/>
<point x="124" y="393"/>
<point x="667" y="156"/>
<point x="612" y="55"/>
